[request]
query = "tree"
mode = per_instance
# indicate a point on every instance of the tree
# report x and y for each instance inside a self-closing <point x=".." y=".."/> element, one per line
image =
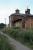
<point x="2" y="25"/>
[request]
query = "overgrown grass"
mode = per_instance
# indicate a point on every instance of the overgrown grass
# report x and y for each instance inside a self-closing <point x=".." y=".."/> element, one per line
<point x="4" y="44"/>
<point x="22" y="35"/>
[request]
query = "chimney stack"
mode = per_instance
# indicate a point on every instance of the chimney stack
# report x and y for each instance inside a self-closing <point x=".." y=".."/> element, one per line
<point x="27" y="11"/>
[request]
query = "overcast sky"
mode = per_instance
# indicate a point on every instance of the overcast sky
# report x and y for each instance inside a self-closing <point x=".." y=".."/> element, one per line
<point x="8" y="7"/>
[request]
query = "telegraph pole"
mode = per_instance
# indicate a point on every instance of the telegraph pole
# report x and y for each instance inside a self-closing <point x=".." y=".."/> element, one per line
<point x="5" y="24"/>
<point x="27" y="6"/>
<point x="27" y="3"/>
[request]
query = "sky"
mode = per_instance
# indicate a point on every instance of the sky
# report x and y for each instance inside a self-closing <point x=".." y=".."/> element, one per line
<point x="8" y="7"/>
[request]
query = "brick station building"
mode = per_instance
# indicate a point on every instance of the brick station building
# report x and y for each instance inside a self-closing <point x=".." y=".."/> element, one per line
<point x="21" y="20"/>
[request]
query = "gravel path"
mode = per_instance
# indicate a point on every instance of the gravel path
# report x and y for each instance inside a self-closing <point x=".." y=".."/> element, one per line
<point x="16" y="44"/>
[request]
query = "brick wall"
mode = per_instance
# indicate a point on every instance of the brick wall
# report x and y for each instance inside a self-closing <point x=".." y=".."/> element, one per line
<point x="29" y="23"/>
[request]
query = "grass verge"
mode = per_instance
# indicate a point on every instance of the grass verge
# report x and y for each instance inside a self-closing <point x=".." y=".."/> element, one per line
<point x="4" y="45"/>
